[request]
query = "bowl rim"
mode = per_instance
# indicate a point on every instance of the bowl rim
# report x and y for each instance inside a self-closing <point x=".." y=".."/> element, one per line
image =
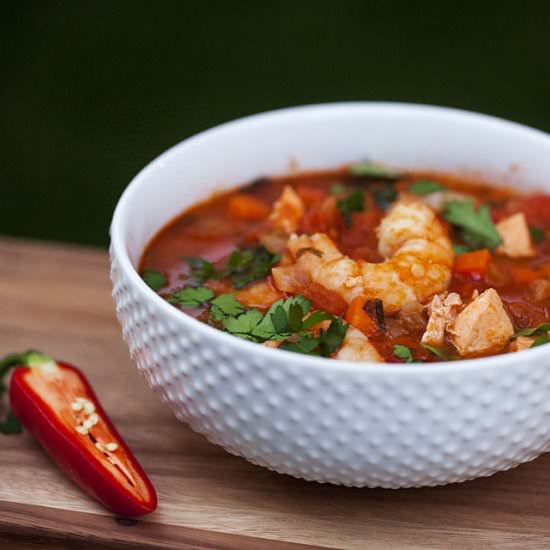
<point x="119" y="251"/>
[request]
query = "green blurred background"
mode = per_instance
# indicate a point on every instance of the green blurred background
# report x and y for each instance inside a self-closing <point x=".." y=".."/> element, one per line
<point x="92" y="91"/>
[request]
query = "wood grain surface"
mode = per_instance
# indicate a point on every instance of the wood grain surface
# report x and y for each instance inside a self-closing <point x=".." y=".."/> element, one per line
<point x="57" y="299"/>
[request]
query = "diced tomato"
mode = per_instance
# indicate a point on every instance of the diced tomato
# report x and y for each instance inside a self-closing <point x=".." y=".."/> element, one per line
<point x="473" y="263"/>
<point x="246" y="207"/>
<point x="357" y="317"/>
<point x="325" y="299"/>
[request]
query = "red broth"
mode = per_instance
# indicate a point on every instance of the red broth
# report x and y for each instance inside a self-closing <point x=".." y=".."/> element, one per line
<point x="213" y="229"/>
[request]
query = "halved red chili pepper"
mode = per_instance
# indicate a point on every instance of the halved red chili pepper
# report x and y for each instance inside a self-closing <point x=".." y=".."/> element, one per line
<point x="57" y="405"/>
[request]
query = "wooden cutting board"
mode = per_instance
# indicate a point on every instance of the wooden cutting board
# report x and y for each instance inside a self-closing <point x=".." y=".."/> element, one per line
<point x="57" y="299"/>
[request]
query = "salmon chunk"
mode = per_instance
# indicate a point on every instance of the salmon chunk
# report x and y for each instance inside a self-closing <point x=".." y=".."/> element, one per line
<point x="482" y="327"/>
<point x="516" y="239"/>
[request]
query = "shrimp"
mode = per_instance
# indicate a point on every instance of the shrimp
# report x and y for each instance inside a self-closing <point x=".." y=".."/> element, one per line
<point x="288" y="211"/>
<point x="356" y="347"/>
<point x="418" y="253"/>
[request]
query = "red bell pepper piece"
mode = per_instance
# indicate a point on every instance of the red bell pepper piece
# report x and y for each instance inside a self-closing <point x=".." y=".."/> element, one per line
<point x="57" y="405"/>
<point x="474" y="264"/>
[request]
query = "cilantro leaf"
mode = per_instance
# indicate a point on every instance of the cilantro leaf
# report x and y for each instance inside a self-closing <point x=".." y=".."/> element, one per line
<point x="537" y="234"/>
<point x="425" y="187"/>
<point x="384" y="195"/>
<point x="153" y="279"/>
<point x="226" y="305"/>
<point x="477" y="227"/>
<point x="316" y="317"/>
<point x="542" y="328"/>
<point x="436" y="351"/>
<point x="355" y="202"/>
<point x="373" y="170"/>
<point x="279" y="319"/>
<point x="248" y="265"/>
<point x="200" y="269"/>
<point x="10" y="425"/>
<point x="540" y="340"/>
<point x="191" y="296"/>
<point x="331" y="339"/>
<point x="306" y="344"/>
<point x="244" y="325"/>
<point x="275" y="324"/>
<point x="403" y="352"/>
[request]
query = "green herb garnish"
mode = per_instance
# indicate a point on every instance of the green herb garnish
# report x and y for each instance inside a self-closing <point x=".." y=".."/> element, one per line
<point x="540" y="340"/>
<point x="244" y="325"/>
<point x="437" y="352"/>
<point x="200" y="269"/>
<point x="355" y="202"/>
<point x="307" y="344"/>
<point x="153" y="279"/>
<point x="542" y="328"/>
<point x="537" y="234"/>
<point x="373" y="170"/>
<point x="478" y="230"/>
<point x="286" y="320"/>
<point x="403" y="352"/>
<point x="385" y="195"/>
<point x="248" y="265"/>
<point x="331" y="338"/>
<point x="425" y="187"/>
<point x="225" y="305"/>
<point x="191" y="296"/>
<point x="243" y="267"/>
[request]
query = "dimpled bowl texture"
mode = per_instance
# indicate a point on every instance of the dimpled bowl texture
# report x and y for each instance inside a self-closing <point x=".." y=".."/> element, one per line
<point x="356" y="424"/>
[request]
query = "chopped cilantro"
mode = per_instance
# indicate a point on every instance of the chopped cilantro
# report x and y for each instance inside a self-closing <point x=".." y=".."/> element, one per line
<point x="285" y="320"/>
<point x="461" y="249"/>
<point x="248" y="265"/>
<point x="225" y="305"/>
<point x="307" y="344"/>
<point x="403" y="352"/>
<point x="276" y="324"/>
<point x="384" y="195"/>
<point x="437" y="352"/>
<point x="243" y="267"/>
<point x="10" y="424"/>
<point x="244" y="325"/>
<point x="355" y="202"/>
<point x="478" y="229"/>
<point x="540" y="340"/>
<point x="331" y="339"/>
<point x="316" y="317"/>
<point x="153" y="279"/>
<point x="191" y="296"/>
<point x="539" y="329"/>
<point x="373" y="170"/>
<point x="537" y="234"/>
<point x="200" y="269"/>
<point x="425" y="187"/>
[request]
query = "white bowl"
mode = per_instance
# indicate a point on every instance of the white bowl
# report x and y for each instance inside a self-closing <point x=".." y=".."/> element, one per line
<point x="375" y="425"/>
